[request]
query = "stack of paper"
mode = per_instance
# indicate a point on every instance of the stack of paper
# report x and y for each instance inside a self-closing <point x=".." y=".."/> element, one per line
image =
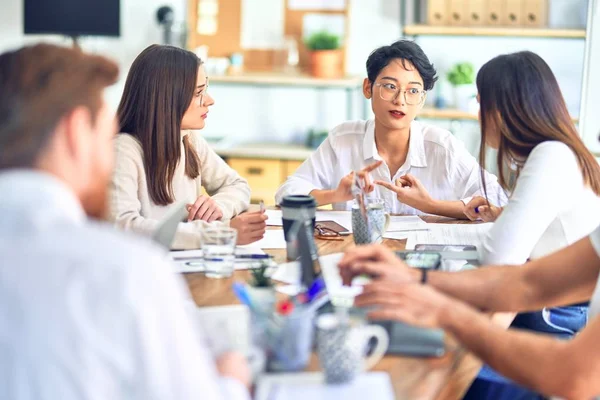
<point x="449" y="234"/>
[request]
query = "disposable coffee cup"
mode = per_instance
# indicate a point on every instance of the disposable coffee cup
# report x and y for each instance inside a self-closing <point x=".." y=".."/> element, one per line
<point x="297" y="211"/>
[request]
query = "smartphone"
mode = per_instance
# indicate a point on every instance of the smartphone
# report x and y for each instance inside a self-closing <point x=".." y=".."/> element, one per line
<point x="421" y="259"/>
<point x="445" y="247"/>
<point x="334" y="226"/>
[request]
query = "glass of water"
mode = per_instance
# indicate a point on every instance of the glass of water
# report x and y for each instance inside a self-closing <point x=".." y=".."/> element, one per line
<point x="218" y="248"/>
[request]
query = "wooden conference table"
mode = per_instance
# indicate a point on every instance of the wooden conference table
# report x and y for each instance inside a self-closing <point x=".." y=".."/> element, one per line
<point x="412" y="378"/>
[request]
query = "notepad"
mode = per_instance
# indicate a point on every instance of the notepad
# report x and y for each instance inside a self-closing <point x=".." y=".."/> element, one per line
<point x="449" y="234"/>
<point x="311" y="385"/>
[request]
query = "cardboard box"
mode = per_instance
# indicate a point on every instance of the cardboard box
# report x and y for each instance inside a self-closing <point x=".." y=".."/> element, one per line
<point x="494" y="12"/>
<point x="437" y="12"/>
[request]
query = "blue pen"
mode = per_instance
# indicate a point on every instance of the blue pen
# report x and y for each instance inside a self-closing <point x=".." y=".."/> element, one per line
<point x="315" y="288"/>
<point x="242" y="294"/>
<point x="253" y="256"/>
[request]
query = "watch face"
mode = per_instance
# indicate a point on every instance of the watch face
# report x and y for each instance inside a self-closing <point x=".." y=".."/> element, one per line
<point x="445" y="247"/>
<point x="422" y="260"/>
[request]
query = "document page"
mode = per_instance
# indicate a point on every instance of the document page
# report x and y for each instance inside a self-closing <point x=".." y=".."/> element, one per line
<point x="449" y="234"/>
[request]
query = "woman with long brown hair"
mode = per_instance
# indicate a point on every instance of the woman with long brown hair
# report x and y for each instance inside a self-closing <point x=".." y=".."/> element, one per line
<point x="552" y="178"/>
<point x="160" y="160"/>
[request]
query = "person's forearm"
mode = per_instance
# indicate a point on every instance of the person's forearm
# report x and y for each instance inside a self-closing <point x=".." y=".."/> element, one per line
<point x="545" y="282"/>
<point x="486" y="288"/>
<point x="539" y="362"/>
<point x="452" y="209"/>
<point x="323" y="197"/>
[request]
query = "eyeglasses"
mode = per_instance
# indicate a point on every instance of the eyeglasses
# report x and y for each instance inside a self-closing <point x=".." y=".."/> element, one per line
<point x="204" y="91"/>
<point x="389" y="92"/>
<point x="325" y="233"/>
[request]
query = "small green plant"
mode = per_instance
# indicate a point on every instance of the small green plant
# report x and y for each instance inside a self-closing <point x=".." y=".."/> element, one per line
<point x="461" y="74"/>
<point x="323" y="40"/>
<point x="260" y="278"/>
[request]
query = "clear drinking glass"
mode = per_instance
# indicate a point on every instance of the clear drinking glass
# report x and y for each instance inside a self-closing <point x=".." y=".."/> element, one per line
<point x="218" y="248"/>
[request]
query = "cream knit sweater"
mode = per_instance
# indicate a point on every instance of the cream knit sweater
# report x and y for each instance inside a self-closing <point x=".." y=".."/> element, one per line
<point x="132" y="208"/>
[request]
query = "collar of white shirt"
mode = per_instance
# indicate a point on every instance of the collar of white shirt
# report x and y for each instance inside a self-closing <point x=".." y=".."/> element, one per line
<point x="416" y="149"/>
<point x="33" y="199"/>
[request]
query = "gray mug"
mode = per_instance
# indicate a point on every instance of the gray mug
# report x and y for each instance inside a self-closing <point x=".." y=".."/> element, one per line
<point x="342" y="344"/>
<point x="371" y="229"/>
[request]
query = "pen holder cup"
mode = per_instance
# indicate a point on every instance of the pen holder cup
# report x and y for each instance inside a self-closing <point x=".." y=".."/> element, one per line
<point x="287" y="339"/>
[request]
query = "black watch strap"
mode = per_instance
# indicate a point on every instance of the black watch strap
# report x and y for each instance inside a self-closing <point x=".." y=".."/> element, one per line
<point x="423" y="275"/>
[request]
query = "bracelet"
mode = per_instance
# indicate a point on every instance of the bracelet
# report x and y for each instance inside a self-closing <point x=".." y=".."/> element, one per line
<point x="423" y="276"/>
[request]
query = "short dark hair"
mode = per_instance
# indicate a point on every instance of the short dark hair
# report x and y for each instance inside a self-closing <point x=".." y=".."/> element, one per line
<point x="39" y="85"/>
<point x="158" y="91"/>
<point x="404" y="50"/>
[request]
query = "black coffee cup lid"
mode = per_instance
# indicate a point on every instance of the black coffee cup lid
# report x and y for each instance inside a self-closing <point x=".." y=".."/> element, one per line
<point x="298" y="201"/>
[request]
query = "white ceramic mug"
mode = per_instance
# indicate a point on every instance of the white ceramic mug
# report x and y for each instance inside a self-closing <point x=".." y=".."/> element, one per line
<point x="341" y="346"/>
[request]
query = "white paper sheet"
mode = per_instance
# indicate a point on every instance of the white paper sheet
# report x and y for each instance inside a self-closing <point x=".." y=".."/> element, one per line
<point x="311" y="385"/>
<point x="273" y="239"/>
<point x="339" y="294"/>
<point x="396" y="235"/>
<point x="406" y="223"/>
<point x="449" y="234"/>
<point x="262" y="24"/>
<point x="274" y="218"/>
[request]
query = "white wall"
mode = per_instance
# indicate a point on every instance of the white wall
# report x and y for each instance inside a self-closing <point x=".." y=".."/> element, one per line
<point x="138" y="30"/>
<point x="590" y="122"/>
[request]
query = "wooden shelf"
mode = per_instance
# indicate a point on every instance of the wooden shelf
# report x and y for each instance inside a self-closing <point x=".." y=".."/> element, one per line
<point x="453" y="114"/>
<point x="413" y="30"/>
<point x="276" y="79"/>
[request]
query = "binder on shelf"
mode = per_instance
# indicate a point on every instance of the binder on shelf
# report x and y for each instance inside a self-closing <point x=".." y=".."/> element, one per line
<point x="476" y="12"/>
<point x="513" y="12"/>
<point x="457" y="12"/>
<point x="535" y="13"/>
<point x="437" y="12"/>
<point x="494" y="12"/>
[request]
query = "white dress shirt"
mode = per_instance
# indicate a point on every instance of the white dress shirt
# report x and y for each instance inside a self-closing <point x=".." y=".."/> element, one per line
<point x="90" y="313"/>
<point x="549" y="208"/>
<point x="435" y="157"/>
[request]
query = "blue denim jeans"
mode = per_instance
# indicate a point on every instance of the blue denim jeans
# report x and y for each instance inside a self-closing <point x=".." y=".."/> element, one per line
<point x="561" y="322"/>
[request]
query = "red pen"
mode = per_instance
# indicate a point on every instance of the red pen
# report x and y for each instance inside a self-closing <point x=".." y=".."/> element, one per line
<point x="285" y="307"/>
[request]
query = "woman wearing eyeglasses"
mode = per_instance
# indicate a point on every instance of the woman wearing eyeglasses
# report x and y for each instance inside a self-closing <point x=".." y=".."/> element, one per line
<point x="394" y="149"/>
<point x="160" y="161"/>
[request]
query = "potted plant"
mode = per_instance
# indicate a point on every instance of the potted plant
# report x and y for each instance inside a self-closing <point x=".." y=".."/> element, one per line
<point x="261" y="289"/>
<point x="462" y="77"/>
<point x="325" y="55"/>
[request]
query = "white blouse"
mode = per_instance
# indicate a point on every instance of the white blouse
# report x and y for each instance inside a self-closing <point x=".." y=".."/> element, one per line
<point x="550" y="208"/>
<point x="435" y="157"/>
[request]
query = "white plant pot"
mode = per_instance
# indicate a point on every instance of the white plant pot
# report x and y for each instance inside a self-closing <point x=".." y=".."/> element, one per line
<point x="463" y="97"/>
